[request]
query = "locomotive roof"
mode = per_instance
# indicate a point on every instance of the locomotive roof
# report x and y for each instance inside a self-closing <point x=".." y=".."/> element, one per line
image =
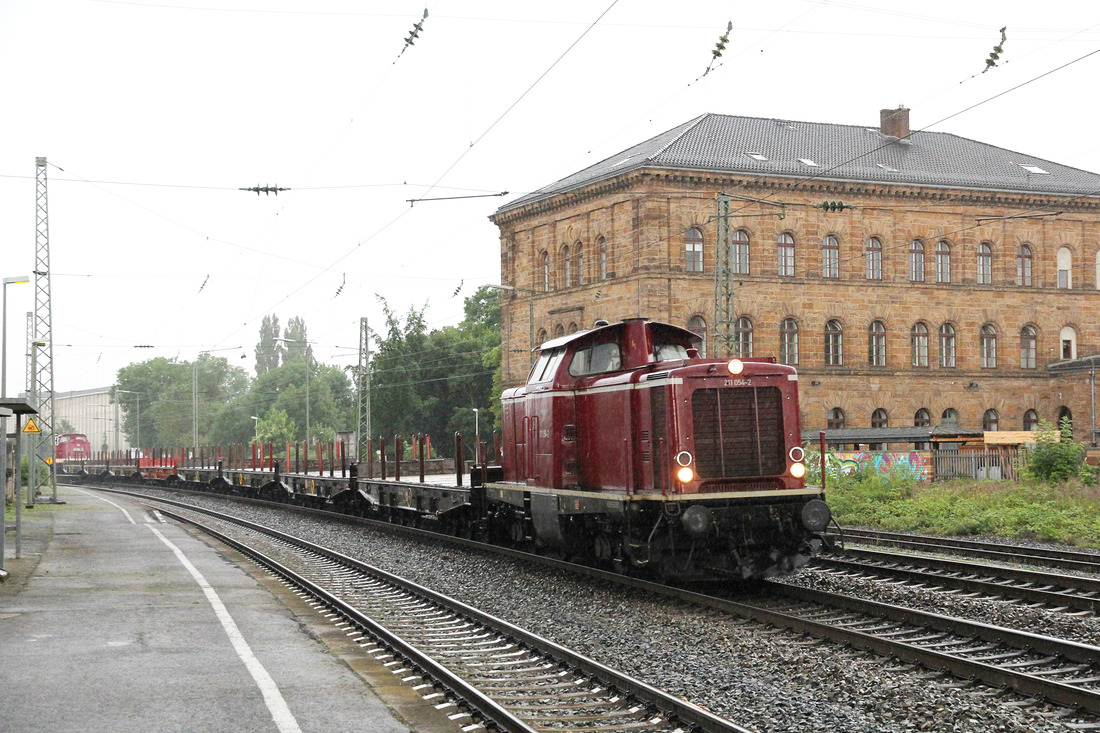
<point x="650" y="325"/>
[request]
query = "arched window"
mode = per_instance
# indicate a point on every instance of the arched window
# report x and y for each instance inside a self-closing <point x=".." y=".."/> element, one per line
<point x="1023" y="265"/>
<point x="922" y="419"/>
<point x="699" y="326"/>
<point x="985" y="264"/>
<point x="1027" y="347"/>
<point x="988" y="346"/>
<point x="601" y="244"/>
<point x="879" y="419"/>
<point x="835" y="421"/>
<point x="989" y="421"/>
<point x="1031" y="420"/>
<point x="566" y="268"/>
<point x="741" y="252"/>
<point x="1065" y="418"/>
<point x="693" y="249"/>
<point x="1065" y="268"/>
<point x="578" y="252"/>
<point x="573" y="327"/>
<point x="541" y="338"/>
<point x="947" y="346"/>
<point x="743" y="335"/>
<point x="873" y="253"/>
<point x="559" y="331"/>
<point x="830" y="257"/>
<point x="785" y="255"/>
<point x="834" y="343"/>
<point x="876" y="344"/>
<point x="1068" y="339"/>
<point x="950" y="417"/>
<point x="788" y="341"/>
<point x="943" y="262"/>
<point x="916" y="261"/>
<point x="918" y="341"/>
<point x="544" y="266"/>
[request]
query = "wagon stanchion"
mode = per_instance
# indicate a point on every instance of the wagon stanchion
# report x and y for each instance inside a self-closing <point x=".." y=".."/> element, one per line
<point x="370" y="457"/>
<point x="382" y="455"/>
<point x="420" y="450"/>
<point x="398" y="454"/>
<point x="331" y="460"/>
<point x="458" y="459"/>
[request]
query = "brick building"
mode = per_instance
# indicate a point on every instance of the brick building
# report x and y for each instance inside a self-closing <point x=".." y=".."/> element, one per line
<point x="945" y="296"/>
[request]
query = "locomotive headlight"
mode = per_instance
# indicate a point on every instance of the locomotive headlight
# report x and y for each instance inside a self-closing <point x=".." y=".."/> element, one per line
<point x="798" y="470"/>
<point x="684" y="474"/>
<point x="736" y="366"/>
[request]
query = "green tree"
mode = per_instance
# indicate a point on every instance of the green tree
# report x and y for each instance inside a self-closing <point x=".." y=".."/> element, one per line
<point x="275" y="427"/>
<point x="162" y="394"/>
<point x="431" y="382"/>
<point x="268" y="350"/>
<point x="296" y="340"/>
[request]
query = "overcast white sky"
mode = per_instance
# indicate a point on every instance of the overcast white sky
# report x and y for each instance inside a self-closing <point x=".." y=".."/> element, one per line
<point x="152" y="115"/>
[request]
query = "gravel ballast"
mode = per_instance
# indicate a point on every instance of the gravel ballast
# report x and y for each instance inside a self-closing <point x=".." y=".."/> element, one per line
<point x="761" y="678"/>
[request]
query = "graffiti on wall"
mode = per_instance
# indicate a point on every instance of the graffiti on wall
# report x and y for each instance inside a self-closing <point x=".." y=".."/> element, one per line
<point x="912" y="464"/>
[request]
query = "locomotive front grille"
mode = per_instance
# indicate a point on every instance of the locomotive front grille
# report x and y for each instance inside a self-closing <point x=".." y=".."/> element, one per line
<point x="738" y="431"/>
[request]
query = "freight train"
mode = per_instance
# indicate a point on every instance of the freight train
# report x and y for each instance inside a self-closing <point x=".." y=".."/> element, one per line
<point x="624" y="449"/>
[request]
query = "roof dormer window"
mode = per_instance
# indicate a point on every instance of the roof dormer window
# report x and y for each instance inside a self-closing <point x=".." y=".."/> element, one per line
<point x="808" y="161"/>
<point x="1033" y="169"/>
<point x="887" y="167"/>
<point x="757" y="156"/>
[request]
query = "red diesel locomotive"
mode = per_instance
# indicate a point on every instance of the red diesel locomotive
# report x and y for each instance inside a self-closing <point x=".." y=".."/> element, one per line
<point x="626" y="448"/>
<point x="73" y="447"/>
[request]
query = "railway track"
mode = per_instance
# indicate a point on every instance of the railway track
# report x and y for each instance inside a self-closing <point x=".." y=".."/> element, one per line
<point x="1083" y="562"/>
<point x="1063" y="673"/>
<point x="1071" y="594"/>
<point x="490" y="672"/>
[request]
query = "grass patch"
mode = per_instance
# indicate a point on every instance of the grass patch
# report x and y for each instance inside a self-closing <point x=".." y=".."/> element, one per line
<point x="1067" y="513"/>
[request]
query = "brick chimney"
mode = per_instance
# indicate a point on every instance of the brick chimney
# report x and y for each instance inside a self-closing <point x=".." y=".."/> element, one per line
<point x="894" y="122"/>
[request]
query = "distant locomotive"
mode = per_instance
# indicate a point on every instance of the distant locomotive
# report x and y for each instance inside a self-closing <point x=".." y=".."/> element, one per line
<point x="73" y="447"/>
<point x="626" y="447"/>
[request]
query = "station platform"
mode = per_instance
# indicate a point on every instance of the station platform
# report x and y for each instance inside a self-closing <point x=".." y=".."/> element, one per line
<point x="115" y="620"/>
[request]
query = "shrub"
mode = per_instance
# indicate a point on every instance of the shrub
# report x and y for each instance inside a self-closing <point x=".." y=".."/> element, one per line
<point x="1056" y="456"/>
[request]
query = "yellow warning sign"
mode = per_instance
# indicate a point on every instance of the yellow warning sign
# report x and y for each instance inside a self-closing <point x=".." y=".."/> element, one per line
<point x="31" y="426"/>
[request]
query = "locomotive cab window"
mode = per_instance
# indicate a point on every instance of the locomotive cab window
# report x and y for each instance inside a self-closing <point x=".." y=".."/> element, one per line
<point x="595" y="359"/>
<point x="546" y="366"/>
<point x="670" y="352"/>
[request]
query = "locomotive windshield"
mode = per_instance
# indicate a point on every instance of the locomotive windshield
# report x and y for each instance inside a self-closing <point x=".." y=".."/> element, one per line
<point x="596" y="359"/>
<point x="670" y="352"/>
<point x="546" y="366"/>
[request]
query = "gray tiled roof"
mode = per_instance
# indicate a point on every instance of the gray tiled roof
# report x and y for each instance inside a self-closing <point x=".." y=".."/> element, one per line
<point x="720" y="143"/>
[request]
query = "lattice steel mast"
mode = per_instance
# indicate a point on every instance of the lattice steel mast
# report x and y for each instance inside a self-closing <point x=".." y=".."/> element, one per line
<point x="362" y="385"/>
<point x="723" y="282"/>
<point x="42" y="340"/>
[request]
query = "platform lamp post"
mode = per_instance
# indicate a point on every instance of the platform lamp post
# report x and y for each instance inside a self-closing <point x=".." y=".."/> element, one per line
<point x="530" y="311"/>
<point x="4" y="349"/>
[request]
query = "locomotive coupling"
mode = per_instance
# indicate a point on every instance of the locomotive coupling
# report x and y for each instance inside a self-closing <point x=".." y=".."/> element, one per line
<point x="815" y="516"/>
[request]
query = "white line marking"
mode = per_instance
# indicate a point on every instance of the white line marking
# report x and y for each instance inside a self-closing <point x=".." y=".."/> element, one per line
<point x="97" y="496"/>
<point x="280" y="712"/>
